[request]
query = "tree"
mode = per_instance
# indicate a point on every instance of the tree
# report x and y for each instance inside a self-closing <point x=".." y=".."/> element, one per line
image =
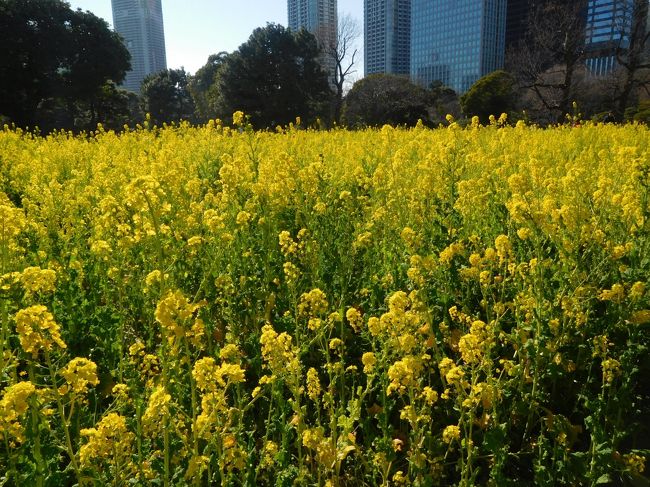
<point x="201" y="83"/>
<point x="116" y="107"/>
<point x="640" y="113"/>
<point x="492" y="94"/>
<point x="340" y="50"/>
<point x="549" y="62"/>
<point x="54" y="56"/>
<point x="165" y="96"/>
<point x="380" y="99"/>
<point x="443" y="100"/>
<point x="273" y="77"/>
<point x="97" y="58"/>
<point x="632" y="55"/>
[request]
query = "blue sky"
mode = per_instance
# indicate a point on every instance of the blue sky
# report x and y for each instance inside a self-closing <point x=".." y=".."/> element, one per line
<point x="194" y="29"/>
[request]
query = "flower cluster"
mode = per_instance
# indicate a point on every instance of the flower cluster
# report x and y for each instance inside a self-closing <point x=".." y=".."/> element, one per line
<point x="37" y="330"/>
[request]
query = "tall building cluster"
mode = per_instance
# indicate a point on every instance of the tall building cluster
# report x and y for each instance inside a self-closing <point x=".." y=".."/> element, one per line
<point x="458" y="41"/>
<point x="451" y="41"/>
<point x="140" y="23"/>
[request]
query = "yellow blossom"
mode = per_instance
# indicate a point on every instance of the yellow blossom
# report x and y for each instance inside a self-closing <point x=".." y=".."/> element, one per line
<point x="79" y="374"/>
<point x="37" y="280"/>
<point x="637" y="290"/>
<point x="451" y="433"/>
<point x="634" y="462"/>
<point x="291" y="272"/>
<point x="238" y="118"/>
<point x="611" y="369"/>
<point x="174" y="313"/>
<point x="404" y="374"/>
<point x="230" y="353"/>
<point x="503" y="247"/>
<point x="157" y="409"/>
<point x="313" y="384"/>
<point x="615" y="294"/>
<point x="313" y="303"/>
<point x="368" y="360"/>
<point x="110" y="439"/>
<point x="278" y="353"/>
<point x="354" y="319"/>
<point x="429" y="395"/>
<point x="13" y="406"/>
<point x="37" y="330"/>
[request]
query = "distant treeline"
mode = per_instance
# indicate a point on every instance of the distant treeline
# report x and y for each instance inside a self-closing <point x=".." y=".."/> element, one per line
<point x="61" y="69"/>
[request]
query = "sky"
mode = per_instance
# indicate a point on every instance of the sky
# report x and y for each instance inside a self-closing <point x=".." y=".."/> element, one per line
<point x="194" y="29"/>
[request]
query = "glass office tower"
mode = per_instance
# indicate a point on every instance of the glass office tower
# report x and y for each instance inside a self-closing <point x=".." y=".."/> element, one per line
<point x="387" y="36"/>
<point x="607" y="29"/>
<point x="140" y="23"/>
<point x="456" y="42"/>
<point x="312" y="15"/>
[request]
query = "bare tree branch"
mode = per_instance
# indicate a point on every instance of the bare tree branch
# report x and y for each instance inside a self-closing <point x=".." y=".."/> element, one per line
<point x="549" y="61"/>
<point x="340" y="51"/>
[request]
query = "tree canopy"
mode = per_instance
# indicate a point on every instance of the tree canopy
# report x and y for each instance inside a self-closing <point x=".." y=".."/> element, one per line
<point x="273" y="77"/>
<point x="54" y="56"/>
<point x="165" y="96"/>
<point x="380" y="99"/>
<point x="201" y="86"/>
<point x="493" y="94"/>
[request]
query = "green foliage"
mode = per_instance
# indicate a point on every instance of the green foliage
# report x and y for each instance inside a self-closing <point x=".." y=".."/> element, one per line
<point x="442" y="101"/>
<point x="381" y="307"/>
<point x="201" y="87"/>
<point x="53" y="60"/>
<point x="165" y="95"/>
<point x="493" y="94"/>
<point x="381" y="99"/>
<point x="115" y="107"/>
<point x="274" y="77"/>
<point x="640" y="113"/>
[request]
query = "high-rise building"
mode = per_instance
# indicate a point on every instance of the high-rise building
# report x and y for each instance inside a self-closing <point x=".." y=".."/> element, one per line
<point x="140" y="23"/>
<point x="517" y="17"/>
<point x="313" y="15"/>
<point x="387" y="36"/>
<point x="456" y="42"/>
<point x="608" y="27"/>
<point x="318" y="17"/>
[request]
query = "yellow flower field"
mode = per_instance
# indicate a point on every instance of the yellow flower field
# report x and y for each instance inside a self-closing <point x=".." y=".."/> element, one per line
<point x="217" y="306"/>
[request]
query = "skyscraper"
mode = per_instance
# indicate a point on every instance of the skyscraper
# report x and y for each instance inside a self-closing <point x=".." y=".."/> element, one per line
<point x="387" y="36"/>
<point x="608" y="27"/>
<point x="318" y="17"/>
<point x="456" y="42"/>
<point x="519" y="18"/>
<point x="140" y="23"/>
<point x="313" y="15"/>
<point x="516" y="21"/>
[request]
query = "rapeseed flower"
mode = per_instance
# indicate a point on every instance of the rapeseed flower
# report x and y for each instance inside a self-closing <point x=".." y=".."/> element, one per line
<point x="80" y="374"/>
<point x="451" y="433"/>
<point x="37" y="330"/>
<point x="13" y="406"/>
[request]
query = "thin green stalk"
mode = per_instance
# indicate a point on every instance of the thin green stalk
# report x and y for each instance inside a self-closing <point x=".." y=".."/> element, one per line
<point x="4" y="311"/>
<point x="165" y="380"/>
<point x="195" y="438"/>
<point x="64" y="422"/>
<point x="38" y="456"/>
